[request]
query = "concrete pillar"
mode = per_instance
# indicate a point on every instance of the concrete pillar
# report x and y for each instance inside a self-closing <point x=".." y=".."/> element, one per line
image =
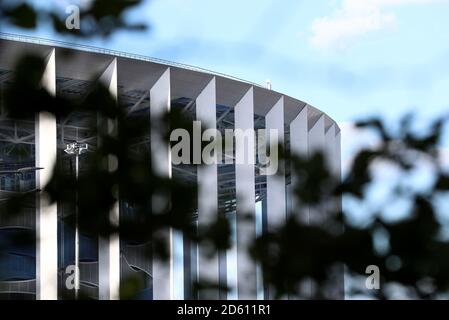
<point x="246" y="199"/>
<point x="160" y="100"/>
<point x="276" y="205"/>
<point x="317" y="143"/>
<point x="299" y="145"/>
<point x="109" y="247"/>
<point x="331" y="150"/>
<point x="208" y="190"/>
<point x="46" y="214"/>
<point x="276" y="209"/>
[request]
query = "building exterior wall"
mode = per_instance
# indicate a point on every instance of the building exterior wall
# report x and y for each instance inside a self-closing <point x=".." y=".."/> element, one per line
<point x="219" y="101"/>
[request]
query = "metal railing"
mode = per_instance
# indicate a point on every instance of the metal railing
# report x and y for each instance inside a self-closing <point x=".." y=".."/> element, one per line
<point x="18" y="286"/>
<point x="24" y="220"/>
<point x="137" y="256"/>
<point x="87" y="48"/>
<point x="89" y="291"/>
<point x="89" y="272"/>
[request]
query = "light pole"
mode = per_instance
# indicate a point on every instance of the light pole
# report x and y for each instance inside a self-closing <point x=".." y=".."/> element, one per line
<point x="76" y="149"/>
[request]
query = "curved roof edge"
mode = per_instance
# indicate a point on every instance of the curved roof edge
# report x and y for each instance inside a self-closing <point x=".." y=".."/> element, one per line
<point x="93" y="49"/>
<point x="98" y="50"/>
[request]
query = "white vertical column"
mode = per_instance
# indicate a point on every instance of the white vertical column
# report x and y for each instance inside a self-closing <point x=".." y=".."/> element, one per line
<point x="299" y="146"/>
<point x="276" y="211"/>
<point x="246" y="199"/>
<point x="109" y="247"/>
<point x="208" y="190"/>
<point x="333" y="206"/>
<point x="316" y="137"/>
<point x="330" y="154"/>
<point x="317" y="143"/>
<point x="337" y="173"/>
<point x="231" y="260"/>
<point x="330" y="150"/>
<point x="163" y="271"/>
<point x="276" y="204"/>
<point x="333" y="151"/>
<point x="333" y="160"/>
<point x="46" y="214"/>
<point x="338" y="156"/>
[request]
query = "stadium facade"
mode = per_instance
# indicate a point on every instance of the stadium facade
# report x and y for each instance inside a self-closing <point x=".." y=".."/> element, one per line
<point x="141" y="83"/>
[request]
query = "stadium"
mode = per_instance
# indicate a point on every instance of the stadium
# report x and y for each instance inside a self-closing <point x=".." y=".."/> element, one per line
<point x="143" y="84"/>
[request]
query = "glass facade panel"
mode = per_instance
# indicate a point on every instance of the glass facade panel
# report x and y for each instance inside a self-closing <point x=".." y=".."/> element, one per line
<point x="17" y="230"/>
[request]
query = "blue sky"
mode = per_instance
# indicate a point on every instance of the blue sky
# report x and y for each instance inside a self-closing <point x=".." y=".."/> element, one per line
<point x="350" y="58"/>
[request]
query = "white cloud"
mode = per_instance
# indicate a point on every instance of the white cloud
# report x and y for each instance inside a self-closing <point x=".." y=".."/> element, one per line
<point x="355" y="18"/>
